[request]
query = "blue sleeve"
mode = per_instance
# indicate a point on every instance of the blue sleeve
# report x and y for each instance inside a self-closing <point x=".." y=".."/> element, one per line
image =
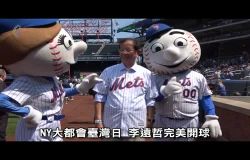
<point x="70" y="92"/>
<point x="10" y="105"/>
<point x="207" y="105"/>
<point x="222" y="90"/>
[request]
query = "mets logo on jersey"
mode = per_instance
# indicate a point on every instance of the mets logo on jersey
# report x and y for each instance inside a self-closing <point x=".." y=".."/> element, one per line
<point x="186" y="82"/>
<point x="57" y="93"/>
<point x="119" y="83"/>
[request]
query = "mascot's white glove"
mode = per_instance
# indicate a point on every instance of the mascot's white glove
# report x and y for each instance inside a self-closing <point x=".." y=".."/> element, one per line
<point x="33" y="118"/>
<point x="87" y="83"/>
<point x="213" y="124"/>
<point x="172" y="87"/>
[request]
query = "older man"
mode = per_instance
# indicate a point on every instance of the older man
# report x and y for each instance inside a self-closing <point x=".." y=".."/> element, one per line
<point x="126" y="93"/>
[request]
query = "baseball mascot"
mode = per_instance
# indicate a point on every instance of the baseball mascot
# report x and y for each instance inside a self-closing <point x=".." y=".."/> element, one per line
<point x="170" y="53"/>
<point x="36" y="51"/>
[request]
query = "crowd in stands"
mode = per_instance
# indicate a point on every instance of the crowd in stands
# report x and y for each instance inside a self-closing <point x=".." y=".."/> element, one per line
<point x="226" y="68"/>
<point x="230" y="68"/>
<point x="68" y="82"/>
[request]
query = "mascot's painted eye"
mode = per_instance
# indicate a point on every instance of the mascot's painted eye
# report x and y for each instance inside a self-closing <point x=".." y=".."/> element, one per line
<point x="64" y="40"/>
<point x="180" y="42"/>
<point x="157" y="47"/>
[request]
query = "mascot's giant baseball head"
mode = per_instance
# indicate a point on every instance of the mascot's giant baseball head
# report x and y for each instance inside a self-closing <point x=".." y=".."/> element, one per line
<point x="169" y="51"/>
<point x="37" y="47"/>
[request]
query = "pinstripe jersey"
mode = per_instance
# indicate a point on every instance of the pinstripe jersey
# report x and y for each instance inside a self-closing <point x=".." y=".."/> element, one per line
<point x="43" y="95"/>
<point x="184" y="104"/>
<point x="126" y="93"/>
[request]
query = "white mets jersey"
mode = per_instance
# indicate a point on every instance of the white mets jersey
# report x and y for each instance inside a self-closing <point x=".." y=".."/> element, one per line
<point x="126" y="93"/>
<point x="45" y="95"/>
<point x="185" y="104"/>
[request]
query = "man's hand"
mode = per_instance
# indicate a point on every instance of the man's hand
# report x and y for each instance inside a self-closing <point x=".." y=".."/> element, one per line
<point x="172" y="87"/>
<point x="150" y="116"/>
<point x="33" y="118"/>
<point x="88" y="82"/>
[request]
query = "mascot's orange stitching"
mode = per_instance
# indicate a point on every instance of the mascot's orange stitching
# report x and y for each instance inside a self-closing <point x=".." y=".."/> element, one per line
<point x="196" y="50"/>
<point x="57" y="66"/>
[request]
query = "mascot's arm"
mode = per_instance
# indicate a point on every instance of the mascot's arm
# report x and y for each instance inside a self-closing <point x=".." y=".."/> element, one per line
<point x="70" y="92"/>
<point x="207" y="105"/>
<point x="87" y="83"/>
<point x="10" y="105"/>
<point x="28" y="113"/>
<point x="211" y="119"/>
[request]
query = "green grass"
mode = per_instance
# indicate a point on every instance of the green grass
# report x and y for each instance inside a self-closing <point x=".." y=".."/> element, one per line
<point x="12" y="122"/>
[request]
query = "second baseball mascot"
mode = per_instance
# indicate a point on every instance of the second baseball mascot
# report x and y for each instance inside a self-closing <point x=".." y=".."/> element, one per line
<point x="170" y="54"/>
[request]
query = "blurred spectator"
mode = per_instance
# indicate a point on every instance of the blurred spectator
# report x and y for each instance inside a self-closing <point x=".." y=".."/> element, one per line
<point x="212" y="87"/>
<point x="75" y="81"/>
<point x="3" y="114"/>
<point x="237" y="94"/>
<point x="241" y="59"/>
<point x="218" y="74"/>
<point x="81" y="77"/>
<point x="247" y="71"/>
<point x="225" y="67"/>
<point x="227" y="75"/>
<point x="71" y="86"/>
<point x="65" y="84"/>
<point x="231" y="75"/>
<point x="221" y="88"/>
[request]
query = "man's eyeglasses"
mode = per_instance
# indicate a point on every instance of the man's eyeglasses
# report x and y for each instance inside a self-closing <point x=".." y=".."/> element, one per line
<point x="126" y="50"/>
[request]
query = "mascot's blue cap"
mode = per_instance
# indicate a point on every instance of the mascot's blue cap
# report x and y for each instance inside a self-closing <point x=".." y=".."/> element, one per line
<point x="10" y="24"/>
<point x="18" y="37"/>
<point x="156" y="29"/>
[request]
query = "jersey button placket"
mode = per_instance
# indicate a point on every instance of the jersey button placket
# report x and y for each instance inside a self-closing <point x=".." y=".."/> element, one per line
<point x="122" y="110"/>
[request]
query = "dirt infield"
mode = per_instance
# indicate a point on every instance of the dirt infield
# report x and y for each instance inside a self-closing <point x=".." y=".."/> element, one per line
<point x="79" y="113"/>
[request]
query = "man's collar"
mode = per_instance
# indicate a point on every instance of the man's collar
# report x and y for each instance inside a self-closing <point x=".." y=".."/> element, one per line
<point x="134" y="67"/>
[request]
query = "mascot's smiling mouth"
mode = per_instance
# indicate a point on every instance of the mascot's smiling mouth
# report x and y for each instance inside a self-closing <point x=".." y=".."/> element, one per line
<point x="173" y="66"/>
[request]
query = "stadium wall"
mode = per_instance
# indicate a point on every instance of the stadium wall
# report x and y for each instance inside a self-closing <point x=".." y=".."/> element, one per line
<point x="234" y="118"/>
<point x="233" y="86"/>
